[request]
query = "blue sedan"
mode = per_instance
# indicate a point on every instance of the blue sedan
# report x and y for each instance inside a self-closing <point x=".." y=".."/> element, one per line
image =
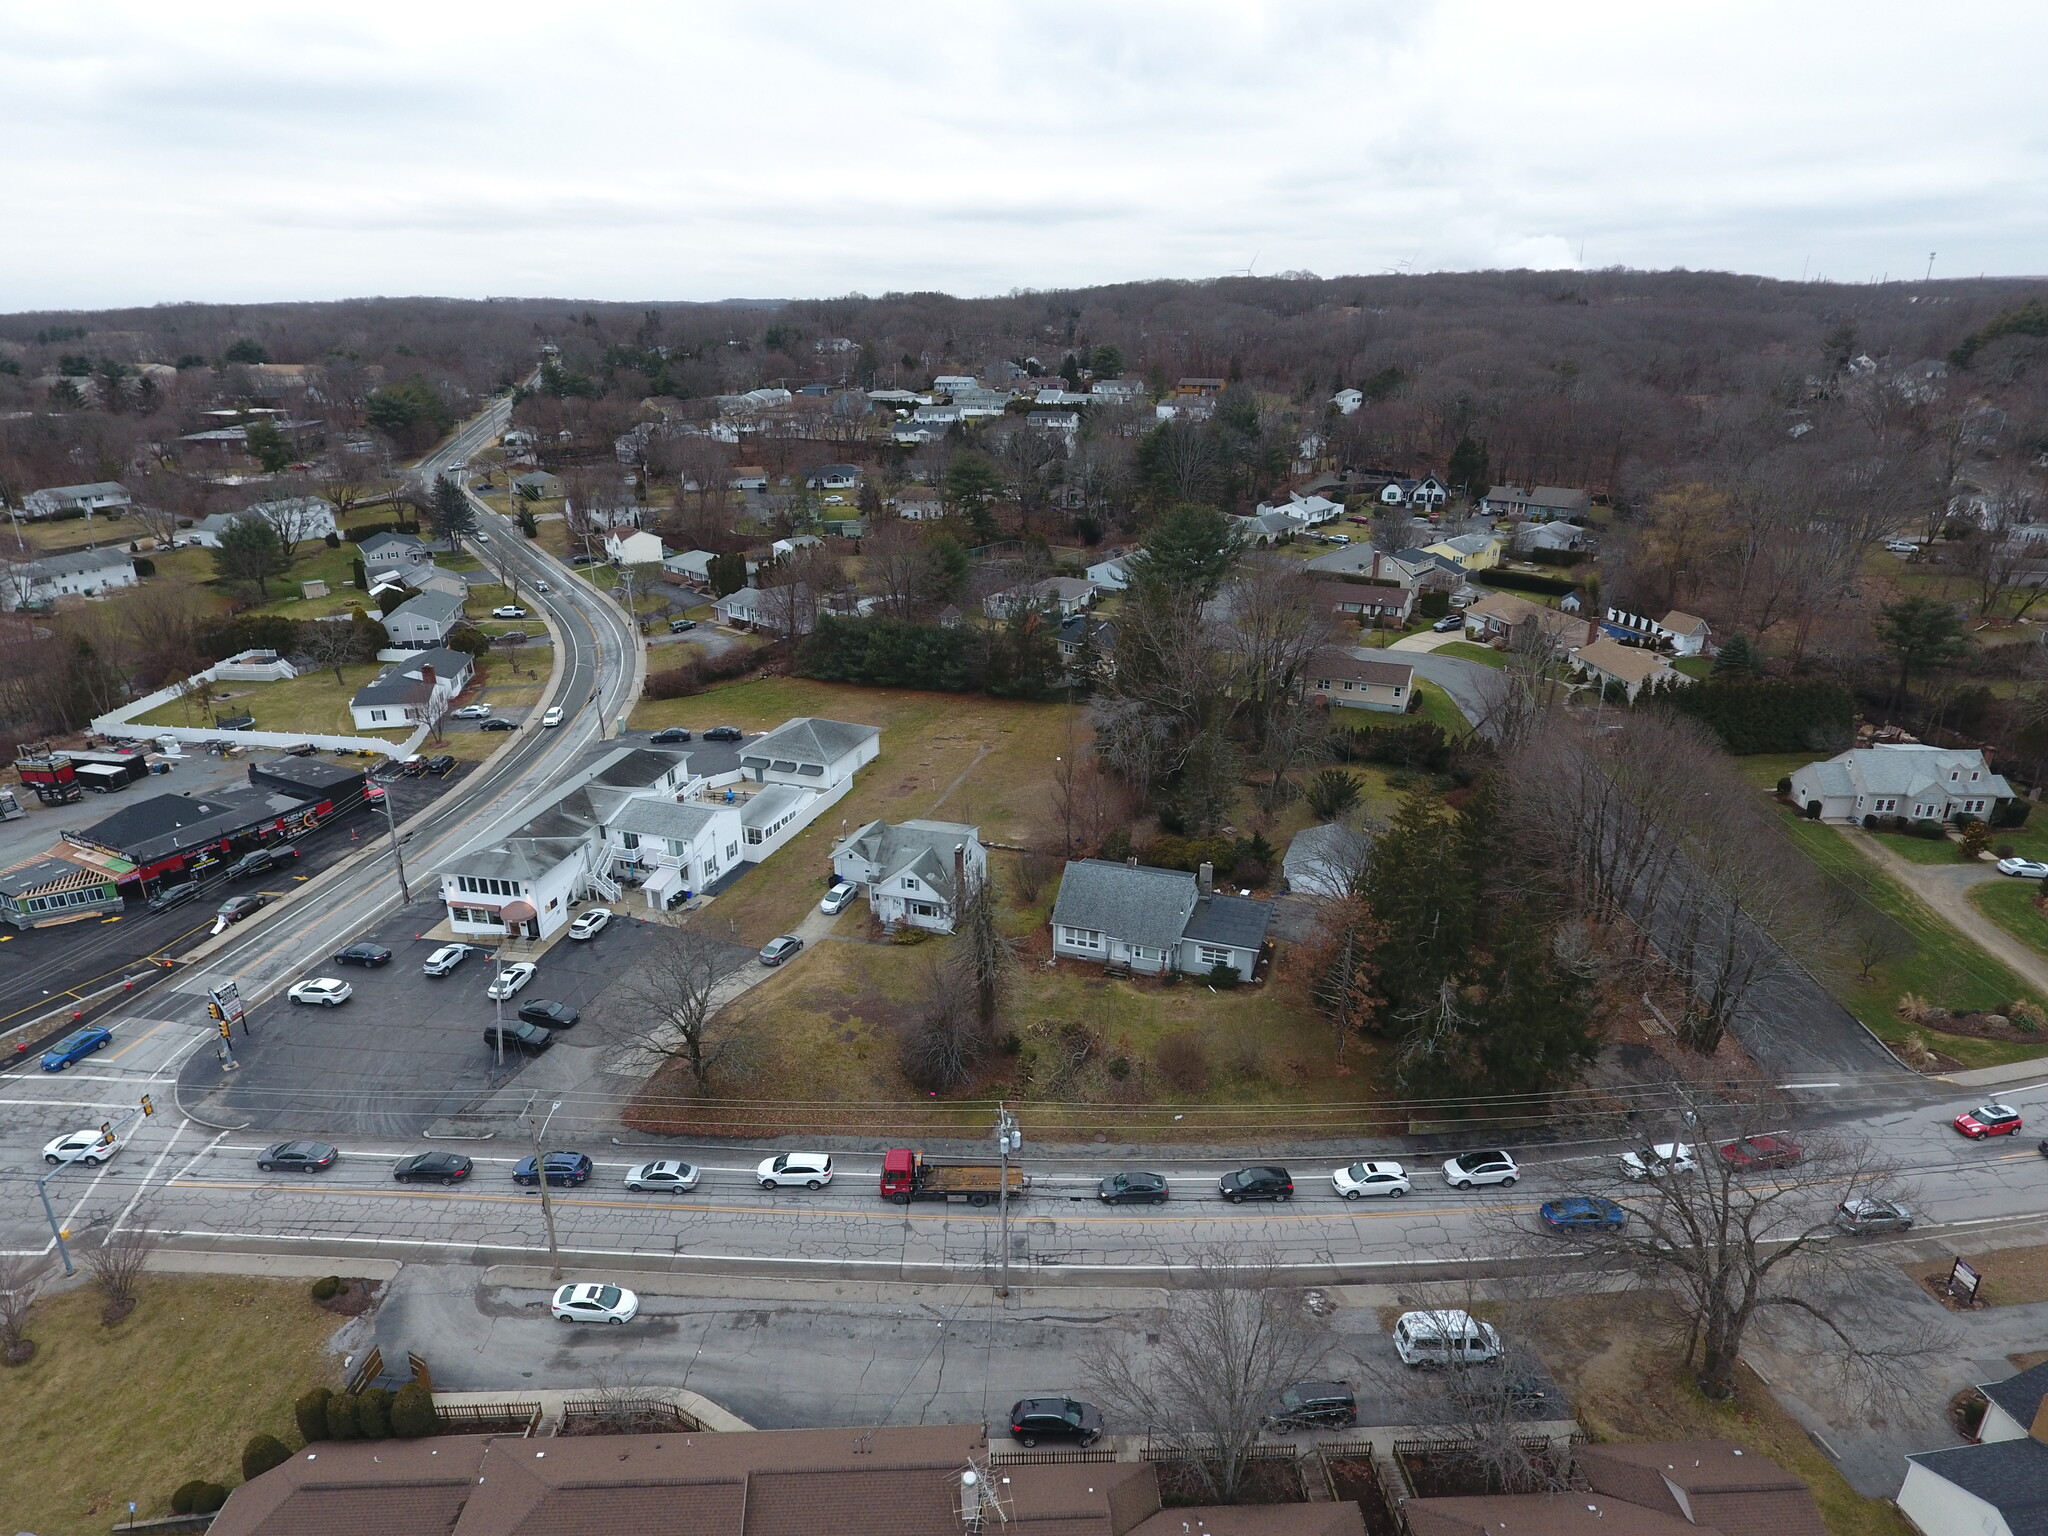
<point x="1582" y="1213"/>
<point x="76" y="1046"/>
<point x="563" y="1168"/>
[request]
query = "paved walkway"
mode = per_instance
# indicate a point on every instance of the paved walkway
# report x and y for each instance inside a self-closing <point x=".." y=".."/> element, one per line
<point x="1946" y="888"/>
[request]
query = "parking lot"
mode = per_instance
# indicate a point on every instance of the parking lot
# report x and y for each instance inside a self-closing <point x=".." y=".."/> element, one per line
<point x="407" y="1049"/>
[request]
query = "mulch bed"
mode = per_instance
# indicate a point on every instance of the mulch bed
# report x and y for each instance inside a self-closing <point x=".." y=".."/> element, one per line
<point x="1983" y="1026"/>
<point x="21" y="1353"/>
<point x="354" y="1298"/>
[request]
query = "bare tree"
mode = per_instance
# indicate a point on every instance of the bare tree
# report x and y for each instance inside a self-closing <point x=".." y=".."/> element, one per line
<point x="674" y="997"/>
<point x="985" y="952"/>
<point x="116" y="1266"/>
<point x="1233" y="1337"/>
<point x="332" y="646"/>
<point x="945" y="1040"/>
<point x="22" y="1277"/>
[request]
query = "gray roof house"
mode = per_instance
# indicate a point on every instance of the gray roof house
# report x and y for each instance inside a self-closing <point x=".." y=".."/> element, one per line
<point x="424" y="620"/>
<point x="404" y="692"/>
<point x="1321" y="861"/>
<point x="810" y="753"/>
<point x="1999" y="1485"/>
<point x="93" y="496"/>
<point x="1919" y="782"/>
<point x="1153" y="920"/>
<point x="395" y="549"/>
<point x="81" y="574"/>
<point x="913" y="871"/>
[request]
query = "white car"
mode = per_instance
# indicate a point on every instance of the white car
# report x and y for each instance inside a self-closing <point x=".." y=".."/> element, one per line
<point x="1470" y="1168"/>
<point x="482" y="537"/>
<point x="473" y="712"/>
<point x="2024" y="869"/>
<point x="91" y="1146"/>
<point x="1655" y="1162"/>
<point x="552" y="718"/>
<point x="669" y="1173"/>
<point x="590" y="924"/>
<point x="508" y="611"/>
<point x="595" y="1304"/>
<point x="837" y="899"/>
<point x="322" y="991"/>
<point x="541" y="586"/>
<point x="1902" y="546"/>
<point x="1362" y="1179"/>
<point x="446" y="958"/>
<point x="511" y="979"/>
<point x="787" y="1170"/>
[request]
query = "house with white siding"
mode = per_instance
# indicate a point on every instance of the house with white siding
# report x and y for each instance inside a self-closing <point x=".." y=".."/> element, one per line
<point x="1921" y="783"/>
<point x="84" y="574"/>
<point x="1153" y="920"/>
<point x="914" y="872"/>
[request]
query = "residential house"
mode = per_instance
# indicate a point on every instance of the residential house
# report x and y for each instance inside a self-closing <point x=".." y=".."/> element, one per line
<point x="1548" y="538"/>
<point x="424" y="621"/>
<point x="914" y="872"/>
<point x="1347" y="401"/>
<point x="1470" y="551"/>
<point x="833" y="477"/>
<point x="1501" y="615"/>
<point x="1087" y="648"/>
<point x="1919" y="782"/>
<point x="409" y="691"/>
<point x="675" y="848"/>
<point x="1056" y="398"/>
<point x="1109" y="575"/>
<point x="1310" y="511"/>
<point x="1538" y="504"/>
<point x="1063" y="595"/>
<point x="1200" y="387"/>
<point x="538" y="485"/>
<point x="1154" y="920"/>
<point x="1325" y="860"/>
<point x="1412" y="568"/>
<point x="1630" y="667"/>
<point x="1370" y="604"/>
<point x="789" y="609"/>
<point x="782" y="549"/>
<point x="1264" y="528"/>
<point x="84" y="574"/>
<point x="1689" y="635"/>
<point x="636" y="548"/>
<point x="1116" y="391"/>
<point x="108" y="496"/>
<point x="920" y="506"/>
<point x="296" y="520"/>
<point x="431" y="578"/>
<point x="390" y="551"/>
<point x="741" y="609"/>
<point x="748" y="477"/>
<point x="1428" y="492"/>
<point x="1065" y="425"/>
<point x="1997" y="1487"/>
<point x="693" y="568"/>
<point x="1354" y="681"/>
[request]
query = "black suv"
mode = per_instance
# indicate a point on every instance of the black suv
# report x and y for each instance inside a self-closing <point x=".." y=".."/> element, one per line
<point x="724" y="733"/>
<point x="363" y="954"/>
<point x="1054" y="1418"/>
<point x="551" y="1015"/>
<point x="261" y="861"/>
<point x="1314" y="1404"/>
<point x="438" y="766"/>
<point x="1256" y="1184"/>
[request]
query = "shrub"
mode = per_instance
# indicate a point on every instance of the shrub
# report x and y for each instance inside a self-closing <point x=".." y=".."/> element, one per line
<point x="373" y="1413"/>
<point x="1183" y="1061"/>
<point x="2011" y="813"/>
<point x="144" y="566"/>
<point x="1813" y="810"/>
<point x="1223" y="976"/>
<point x="1117" y="846"/>
<point x="1522" y="581"/>
<point x="1976" y="838"/>
<point x="1929" y="828"/>
<point x="333" y="539"/>
<point x="390" y="600"/>
<point x="695" y="676"/>
<point x="261" y="1454"/>
<point x="1869" y="822"/>
<point x="1753" y="716"/>
<point x="1331" y="793"/>
<point x="311" y="1413"/>
<point x="412" y="1412"/>
<point x="326" y="1286"/>
<point x="198" y="1497"/>
<point x="1785" y="787"/>
<point x="2004" y="850"/>
<point x="341" y="1418"/>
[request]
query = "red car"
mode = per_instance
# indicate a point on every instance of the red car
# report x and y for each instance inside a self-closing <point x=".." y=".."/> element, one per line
<point x="1761" y="1152"/>
<point x="1988" y="1120"/>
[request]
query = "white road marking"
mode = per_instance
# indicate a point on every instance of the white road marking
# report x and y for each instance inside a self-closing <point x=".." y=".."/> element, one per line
<point x="142" y="1188"/>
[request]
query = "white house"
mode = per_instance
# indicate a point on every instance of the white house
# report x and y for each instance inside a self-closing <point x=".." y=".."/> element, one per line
<point x="1325" y="860"/>
<point x="1553" y="538"/>
<point x="1262" y="528"/>
<point x="1921" y="783"/>
<point x="914" y="872"/>
<point x="1998" y="1487"/>
<point x="394" y="551"/>
<point x="94" y="496"/>
<point x="1426" y="492"/>
<point x="1116" y="391"/>
<point x="790" y="609"/>
<point x="1347" y="400"/>
<point x="636" y="548"/>
<point x="833" y="477"/>
<point x="1306" y="511"/>
<point x="748" y="477"/>
<point x="1109" y="575"/>
<point x="1688" y="634"/>
<point x="1154" y="920"/>
<point x="678" y="849"/>
<point x="84" y="574"/>
<point x="296" y="519"/>
<point x="425" y="620"/>
<point x="782" y="549"/>
<point x="409" y="691"/>
<point x="920" y="506"/>
<point x="810" y="753"/>
<point x="1064" y="595"/>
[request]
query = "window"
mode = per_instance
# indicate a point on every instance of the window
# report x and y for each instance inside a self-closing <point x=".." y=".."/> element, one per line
<point x="1080" y="938"/>
<point x="1887" y="805"/>
<point x="630" y="839"/>
<point x="1213" y="957"/>
<point x="922" y="909"/>
<point x="1397" y="690"/>
<point x="910" y="882"/>
<point x="753" y="834"/>
<point x="377" y="714"/>
<point x="675" y="848"/>
<point x="732" y="850"/>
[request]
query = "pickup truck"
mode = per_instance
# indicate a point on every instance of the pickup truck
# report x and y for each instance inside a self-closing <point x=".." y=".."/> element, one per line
<point x="909" y="1175"/>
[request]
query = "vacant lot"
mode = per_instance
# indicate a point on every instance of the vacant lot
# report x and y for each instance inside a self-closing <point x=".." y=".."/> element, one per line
<point x="313" y="703"/>
<point x="105" y="1415"/>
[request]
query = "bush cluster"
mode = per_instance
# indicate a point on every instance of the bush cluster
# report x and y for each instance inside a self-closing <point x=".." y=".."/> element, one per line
<point x="326" y="1287"/>
<point x="198" y="1497"/>
<point x="695" y="676"/>
<point x="1523" y="581"/>
<point x="1752" y="717"/>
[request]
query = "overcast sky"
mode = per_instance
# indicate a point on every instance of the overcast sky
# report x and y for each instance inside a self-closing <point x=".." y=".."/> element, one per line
<point x="671" y="151"/>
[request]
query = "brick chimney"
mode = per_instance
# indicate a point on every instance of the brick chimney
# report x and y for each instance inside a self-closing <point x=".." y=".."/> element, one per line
<point x="2039" y="1428"/>
<point x="959" y="872"/>
<point x="427" y="674"/>
<point x="1592" y="629"/>
<point x="1376" y="563"/>
<point x="1205" y="878"/>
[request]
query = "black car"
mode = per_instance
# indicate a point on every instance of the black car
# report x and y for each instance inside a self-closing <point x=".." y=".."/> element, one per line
<point x="1133" y="1189"/>
<point x="297" y="1157"/>
<point x="261" y="861"/>
<point x="530" y="1038"/>
<point x="553" y="1015"/>
<point x="584" y="560"/>
<point x="672" y="734"/>
<point x="169" y="896"/>
<point x="1256" y="1184"/>
<point x="442" y="765"/>
<point x="1054" y="1418"/>
<point x="363" y="954"/>
<point x="724" y="733"/>
<point x="1314" y="1404"/>
<point x="496" y="724"/>
<point x="235" y="908"/>
<point x="432" y="1168"/>
<point x="563" y="1168"/>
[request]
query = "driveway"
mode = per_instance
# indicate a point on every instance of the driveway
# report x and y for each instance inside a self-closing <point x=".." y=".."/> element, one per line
<point x="1465" y="681"/>
<point x="1946" y="888"/>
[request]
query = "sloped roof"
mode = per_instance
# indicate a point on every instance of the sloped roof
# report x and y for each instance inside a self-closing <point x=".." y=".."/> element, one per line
<point x="922" y="848"/>
<point x="2020" y="1396"/>
<point x="434" y="607"/>
<point x="1335" y="665"/>
<point x="768" y="805"/>
<point x="1684" y="623"/>
<point x="1237" y="921"/>
<point x="76" y="564"/>
<point x="1135" y="903"/>
<point x="1630" y="663"/>
<point x="2009" y="1475"/>
<point x="378" y="542"/>
<point x="808" y="739"/>
<point x="663" y="818"/>
<point x="1324" y="854"/>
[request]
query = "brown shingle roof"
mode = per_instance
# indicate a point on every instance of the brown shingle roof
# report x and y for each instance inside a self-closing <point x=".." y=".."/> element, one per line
<point x="1336" y="666"/>
<point x="1742" y="1493"/>
<point x="1260" y="1520"/>
<point x="1630" y="663"/>
<point x="1544" y="1514"/>
<point x="392" y="1487"/>
<point x="1684" y="623"/>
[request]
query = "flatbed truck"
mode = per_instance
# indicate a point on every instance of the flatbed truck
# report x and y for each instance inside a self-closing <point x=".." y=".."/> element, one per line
<point x="909" y="1175"/>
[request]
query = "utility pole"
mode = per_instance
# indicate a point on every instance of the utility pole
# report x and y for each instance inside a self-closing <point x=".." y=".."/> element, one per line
<point x="1008" y="1139"/>
<point x="379" y="793"/>
<point x="540" y="1168"/>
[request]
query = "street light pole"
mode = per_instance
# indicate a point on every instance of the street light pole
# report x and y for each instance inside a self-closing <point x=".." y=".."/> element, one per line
<point x="1008" y="1140"/>
<point x="379" y="792"/>
<point x="547" y="1203"/>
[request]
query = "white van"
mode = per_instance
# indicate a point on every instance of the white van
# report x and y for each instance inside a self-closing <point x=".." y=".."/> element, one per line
<point x="1444" y="1338"/>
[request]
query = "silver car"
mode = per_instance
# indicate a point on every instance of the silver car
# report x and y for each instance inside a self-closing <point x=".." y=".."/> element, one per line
<point x="1865" y="1215"/>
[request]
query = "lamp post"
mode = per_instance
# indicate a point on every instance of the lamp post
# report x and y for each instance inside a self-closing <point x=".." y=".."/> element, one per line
<point x="1008" y="1139"/>
<point x="379" y="793"/>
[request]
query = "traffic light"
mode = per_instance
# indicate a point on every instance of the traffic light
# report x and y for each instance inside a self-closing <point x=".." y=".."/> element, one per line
<point x="213" y="1011"/>
<point x="107" y="1129"/>
<point x="148" y="1107"/>
<point x="227" y="1030"/>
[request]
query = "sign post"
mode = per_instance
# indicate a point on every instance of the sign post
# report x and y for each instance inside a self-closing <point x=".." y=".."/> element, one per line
<point x="1964" y="1283"/>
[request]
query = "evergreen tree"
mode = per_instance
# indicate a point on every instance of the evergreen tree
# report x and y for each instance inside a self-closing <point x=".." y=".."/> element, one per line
<point x="728" y="573"/>
<point x="973" y="486"/>
<point x="1423" y="890"/>
<point x="1469" y="468"/>
<point x="267" y="446"/>
<point x="1107" y="362"/>
<point x="250" y="550"/>
<point x="1737" y="659"/>
<point x="451" y="511"/>
<point x="1921" y="633"/>
<point x="1191" y="549"/>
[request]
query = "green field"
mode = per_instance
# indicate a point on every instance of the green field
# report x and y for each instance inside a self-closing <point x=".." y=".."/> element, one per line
<point x="1465" y="650"/>
<point x="2010" y="904"/>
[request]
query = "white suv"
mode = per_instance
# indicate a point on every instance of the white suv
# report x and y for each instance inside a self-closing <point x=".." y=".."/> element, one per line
<point x="1470" y="1168"/>
<point x="809" y="1170"/>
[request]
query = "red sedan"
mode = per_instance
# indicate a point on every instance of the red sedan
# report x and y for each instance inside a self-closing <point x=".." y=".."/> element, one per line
<point x="1988" y="1120"/>
<point x="1761" y="1152"/>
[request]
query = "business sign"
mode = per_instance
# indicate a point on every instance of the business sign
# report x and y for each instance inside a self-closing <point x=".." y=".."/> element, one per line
<point x="1963" y="1283"/>
<point x="228" y="999"/>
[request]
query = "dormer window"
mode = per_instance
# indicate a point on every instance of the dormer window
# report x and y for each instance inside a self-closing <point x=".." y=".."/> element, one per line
<point x="910" y="882"/>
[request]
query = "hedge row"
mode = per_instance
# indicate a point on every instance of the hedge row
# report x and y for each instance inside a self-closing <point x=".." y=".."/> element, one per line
<point x="1752" y="717"/>
<point x="1523" y="581"/>
<point x="890" y="653"/>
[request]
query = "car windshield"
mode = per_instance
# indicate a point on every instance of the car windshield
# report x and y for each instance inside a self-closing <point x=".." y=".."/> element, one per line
<point x="608" y="1296"/>
<point x="1361" y="1170"/>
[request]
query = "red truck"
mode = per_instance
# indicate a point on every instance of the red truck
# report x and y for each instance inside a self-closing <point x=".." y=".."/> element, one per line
<point x="908" y="1175"/>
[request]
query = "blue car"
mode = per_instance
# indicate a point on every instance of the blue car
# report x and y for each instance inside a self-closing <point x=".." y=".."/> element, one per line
<point x="563" y="1168"/>
<point x="1583" y="1213"/>
<point x="76" y="1046"/>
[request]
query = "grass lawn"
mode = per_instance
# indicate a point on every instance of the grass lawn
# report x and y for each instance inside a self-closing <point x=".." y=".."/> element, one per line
<point x="312" y="704"/>
<point x="43" y="535"/>
<point x="1465" y="650"/>
<point x="316" y="562"/>
<point x="2010" y="904"/>
<point x="1694" y="666"/>
<point x="1944" y="967"/>
<point x="1764" y="769"/>
<point x="1436" y="708"/>
<point x="1920" y="850"/>
<point x="169" y="1394"/>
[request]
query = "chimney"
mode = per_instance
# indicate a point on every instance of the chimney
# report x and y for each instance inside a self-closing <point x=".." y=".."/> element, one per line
<point x="427" y="674"/>
<point x="1205" y="878"/>
<point x="1375" y="563"/>
<point x="959" y="871"/>
<point x="2039" y="1428"/>
<point x="1132" y="861"/>
<point x="1592" y="629"/>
